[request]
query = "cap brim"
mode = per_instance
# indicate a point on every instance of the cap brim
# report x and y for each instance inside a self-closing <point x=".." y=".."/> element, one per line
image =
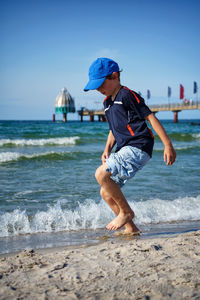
<point x="94" y="84"/>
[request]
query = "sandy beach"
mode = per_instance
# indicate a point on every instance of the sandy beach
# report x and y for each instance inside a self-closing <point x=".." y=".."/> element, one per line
<point x="122" y="268"/>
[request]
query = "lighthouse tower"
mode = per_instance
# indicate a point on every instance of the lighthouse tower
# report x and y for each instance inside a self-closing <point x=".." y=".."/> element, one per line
<point x="64" y="104"/>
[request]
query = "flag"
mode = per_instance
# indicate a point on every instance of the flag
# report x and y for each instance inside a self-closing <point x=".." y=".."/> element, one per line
<point x="148" y="94"/>
<point x="195" y="87"/>
<point x="169" y="91"/>
<point x="181" y="92"/>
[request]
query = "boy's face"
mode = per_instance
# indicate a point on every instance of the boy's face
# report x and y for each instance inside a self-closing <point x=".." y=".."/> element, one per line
<point x="109" y="86"/>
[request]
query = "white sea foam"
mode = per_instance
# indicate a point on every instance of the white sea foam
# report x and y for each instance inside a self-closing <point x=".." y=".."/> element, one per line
<point x="13" y="156"/>
<point x="40" y="142"/>
<point x="196" y="136"/>
<point x="9" y="156"/>
<point x="157" y="210"/>
<point x="187" y="147"/>
<point x="92" y="215"/>
<point x="182" y="148"/>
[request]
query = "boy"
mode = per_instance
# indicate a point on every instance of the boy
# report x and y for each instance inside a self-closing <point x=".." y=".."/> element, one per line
<point x="126" y="113"/>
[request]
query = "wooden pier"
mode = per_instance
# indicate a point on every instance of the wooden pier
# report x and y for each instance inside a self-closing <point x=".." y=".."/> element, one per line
<point x="173" y="107"/>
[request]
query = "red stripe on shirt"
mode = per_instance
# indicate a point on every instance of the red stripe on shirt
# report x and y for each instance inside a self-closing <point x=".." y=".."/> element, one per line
<point x="130" y="130"/>
<point x="137" y="99"/>
<point x="151" y="133"/>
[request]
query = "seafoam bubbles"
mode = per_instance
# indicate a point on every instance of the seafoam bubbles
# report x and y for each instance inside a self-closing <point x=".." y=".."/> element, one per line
<point x="14" y="223"/>
<point x="9" y="156"/>
<point x="158" y="211"/>
<point x="55" y="218"/>
<point x="40" y="142"/>
<point x="85" y="216"/>
<point x="14" y="156"/>
<point x="196" y="136"/>
<point x="91" y="215"/>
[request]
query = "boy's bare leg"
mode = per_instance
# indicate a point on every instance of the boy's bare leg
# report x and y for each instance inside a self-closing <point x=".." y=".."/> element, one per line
<point x="130" y="227"/>
<point x="111" y="188"/>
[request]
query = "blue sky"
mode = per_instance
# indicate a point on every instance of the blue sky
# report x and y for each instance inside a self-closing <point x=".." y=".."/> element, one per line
<point x="47" y="45"/>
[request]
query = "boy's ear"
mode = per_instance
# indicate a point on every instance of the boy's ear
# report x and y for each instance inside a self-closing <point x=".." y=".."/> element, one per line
<point x="115" y="75"/>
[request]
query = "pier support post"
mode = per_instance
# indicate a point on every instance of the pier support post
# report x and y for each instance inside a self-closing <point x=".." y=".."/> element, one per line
<point x="91" y="118"/>
<point x="175" y="117"/>
<point x="103" y="118"/>
<point x="54" y="118"/>
<point x="64" y="117"/>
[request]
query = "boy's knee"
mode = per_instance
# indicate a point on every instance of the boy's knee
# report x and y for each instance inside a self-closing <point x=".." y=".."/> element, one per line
<point x="98" y="174"/>
<point x="101" y="175"/>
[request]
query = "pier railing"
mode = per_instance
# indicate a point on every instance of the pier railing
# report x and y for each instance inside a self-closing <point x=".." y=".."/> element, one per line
<point x="174" y="107"/>
<point x="190" y="105"/>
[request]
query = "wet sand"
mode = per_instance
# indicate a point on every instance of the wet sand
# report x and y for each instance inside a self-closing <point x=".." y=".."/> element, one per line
<point x="122" y="268"/>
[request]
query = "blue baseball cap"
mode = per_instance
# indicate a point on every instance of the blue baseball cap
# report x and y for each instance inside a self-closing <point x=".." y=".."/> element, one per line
<point x="98" y="71"/>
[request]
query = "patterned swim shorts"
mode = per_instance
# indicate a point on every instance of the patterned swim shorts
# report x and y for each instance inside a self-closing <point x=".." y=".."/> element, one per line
<point x="124" y="164"/>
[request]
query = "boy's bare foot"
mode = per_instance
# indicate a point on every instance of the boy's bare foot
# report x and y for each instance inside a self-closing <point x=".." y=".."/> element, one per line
<point x="119" y="221"/>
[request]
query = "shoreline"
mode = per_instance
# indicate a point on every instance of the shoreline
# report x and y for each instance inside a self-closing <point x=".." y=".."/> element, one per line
<point x="134" y="268"/>
<point x="38" y="241"/>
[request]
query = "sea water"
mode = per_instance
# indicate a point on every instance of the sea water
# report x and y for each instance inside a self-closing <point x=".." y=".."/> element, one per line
<point x="47" y="182"/>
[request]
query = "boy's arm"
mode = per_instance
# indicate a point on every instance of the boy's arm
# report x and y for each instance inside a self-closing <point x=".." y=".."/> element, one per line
<point x="169" y="152"/>
<point x="108" y="148"/>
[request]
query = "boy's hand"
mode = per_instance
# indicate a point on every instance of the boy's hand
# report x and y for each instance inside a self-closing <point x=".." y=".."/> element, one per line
<point x="169" y="155"/>
<point x="105" y="155"/>
<point x="169" y="152"/>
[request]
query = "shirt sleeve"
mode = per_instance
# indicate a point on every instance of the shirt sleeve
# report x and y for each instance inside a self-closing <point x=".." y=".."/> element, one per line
<point x="134" y="102"/>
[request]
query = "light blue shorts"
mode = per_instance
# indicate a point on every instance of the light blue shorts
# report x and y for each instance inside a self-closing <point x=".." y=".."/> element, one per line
<point x="124" y="164"/>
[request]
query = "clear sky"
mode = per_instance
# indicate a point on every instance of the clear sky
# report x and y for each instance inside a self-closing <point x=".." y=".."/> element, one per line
<point x="49" y="44"/>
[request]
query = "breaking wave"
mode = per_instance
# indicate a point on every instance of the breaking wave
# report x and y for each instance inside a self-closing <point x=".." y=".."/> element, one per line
<point x="184" y="148"/>
<point x="185" y="137"/>
<point x="49" y="155"/>
<point x="39" y="142"/>
<point x="13" y="156"/>
<point x="91" y="215"/>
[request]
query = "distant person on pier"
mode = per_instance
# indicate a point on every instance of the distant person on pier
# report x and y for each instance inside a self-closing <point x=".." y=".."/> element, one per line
<point x="127" y="114"/>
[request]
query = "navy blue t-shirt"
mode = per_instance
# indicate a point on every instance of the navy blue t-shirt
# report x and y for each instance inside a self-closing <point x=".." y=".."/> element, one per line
<point x="125" y="115"/>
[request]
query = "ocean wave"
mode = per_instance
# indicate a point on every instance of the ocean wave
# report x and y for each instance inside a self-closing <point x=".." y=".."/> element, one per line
<point x="180" y="147"/>
<point x="50" y="155"/>
<point x="9" y="156"/>
<point x="91" y="215"/>
<point x="196" y="135"/>
<point x="185" y="137"/>
<point x="65" y="155"/>
<point x="39" y="142"/>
